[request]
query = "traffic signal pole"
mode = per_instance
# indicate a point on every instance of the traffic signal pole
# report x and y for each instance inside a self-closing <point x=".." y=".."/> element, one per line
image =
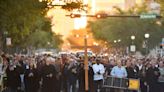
<point x="116" y="16"/>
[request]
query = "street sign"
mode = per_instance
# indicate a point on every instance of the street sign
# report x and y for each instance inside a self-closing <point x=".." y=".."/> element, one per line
<point x="8" y="41"/>
<point x="132" y="48"/>
<point x="148" y="16"/>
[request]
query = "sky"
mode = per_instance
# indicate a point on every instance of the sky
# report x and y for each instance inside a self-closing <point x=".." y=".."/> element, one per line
<point x="64" y="25"/>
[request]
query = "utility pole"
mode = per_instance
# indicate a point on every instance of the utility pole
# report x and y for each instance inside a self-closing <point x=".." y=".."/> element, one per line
<point x="86" y="64"/>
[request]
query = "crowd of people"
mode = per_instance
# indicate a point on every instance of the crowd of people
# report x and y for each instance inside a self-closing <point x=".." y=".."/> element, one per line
<point x="66" y="73"/>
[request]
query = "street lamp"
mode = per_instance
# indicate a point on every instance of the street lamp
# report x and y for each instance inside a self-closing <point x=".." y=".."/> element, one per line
<point x="115" y="41"/>
<point x="119" y="40"/>
<point x="117" y="44"/>
<point x="147" y="35"/>
<point x="77" y="36"/>
<point x="132" y="46"/>
<point x="133" y="37"/>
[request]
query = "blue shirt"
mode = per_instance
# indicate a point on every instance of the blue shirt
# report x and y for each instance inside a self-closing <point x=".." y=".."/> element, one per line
<point x="119" y="72"/>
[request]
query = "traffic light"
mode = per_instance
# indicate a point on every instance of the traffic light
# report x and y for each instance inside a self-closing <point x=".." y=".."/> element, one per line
<point x="103" y="15"/>
<point x="98" y="16"/>
<point x="75" y="15"/>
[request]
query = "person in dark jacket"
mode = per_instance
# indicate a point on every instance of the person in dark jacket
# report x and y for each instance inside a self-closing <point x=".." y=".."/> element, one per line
<point x="31" y="78"/>
<point x="130" y="70"/>
<point x="81" y="77"/>
<point x="142" y="76"/>
<point x="13" y="78"/>
<point x="65" y="72"/>
<point x="152" y="75"/>
<point x="109" y="67"/>
<point x="161" y="77"/>
<point x="72" y="75"/>
<point x="48" y="76"/>
<point x="90" y="77"/>
<point x="58" y="66"/>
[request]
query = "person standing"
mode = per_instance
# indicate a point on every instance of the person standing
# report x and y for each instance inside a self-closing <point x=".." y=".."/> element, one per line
<point x="81" y="77"/>
<point x="72" y="75"/>
<point x="31" y="78"/>
<point x="119" y="72"/>
<point x="48" y="75"/>
<point x="161" y="77"/>
<point x="99" y="71"/>
<point x="59" y="74"/>
<point x="1" y="70"/>
<point x="65" y="72"/>
<point x="142" y="77"/>
<point x="152" y="75"/>
<point x="130" y="70"/>
<point x="13" y="78"/>
<point x="109" y="67"/>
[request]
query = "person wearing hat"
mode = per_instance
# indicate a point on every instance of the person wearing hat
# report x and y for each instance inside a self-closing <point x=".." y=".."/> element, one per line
<point x="99" y="71"/>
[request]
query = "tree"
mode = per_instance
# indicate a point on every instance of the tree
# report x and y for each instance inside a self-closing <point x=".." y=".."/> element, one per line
<point x="21" y="19"/>
<point x="72" y="5"/>
<point x="111" y="29"/>
<point x="43" y="39"/>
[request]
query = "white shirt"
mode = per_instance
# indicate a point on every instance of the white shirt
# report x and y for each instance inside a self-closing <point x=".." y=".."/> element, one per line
<point x="98" y="68"/>
<point x="140" y="66"/>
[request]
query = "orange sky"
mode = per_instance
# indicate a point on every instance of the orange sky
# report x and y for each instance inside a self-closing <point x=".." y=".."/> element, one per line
<point x="64" y="25"/>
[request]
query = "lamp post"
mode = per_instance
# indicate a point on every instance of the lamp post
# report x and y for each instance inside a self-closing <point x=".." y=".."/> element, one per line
<point x="133" y="38"/>
<point x="147" y="35"/>
<point x="132" y="46"/>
